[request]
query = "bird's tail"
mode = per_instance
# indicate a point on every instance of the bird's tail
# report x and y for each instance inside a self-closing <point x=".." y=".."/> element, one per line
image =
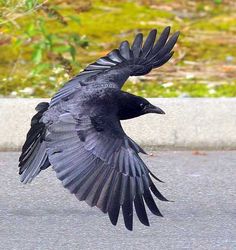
<point x="33" y="158"/>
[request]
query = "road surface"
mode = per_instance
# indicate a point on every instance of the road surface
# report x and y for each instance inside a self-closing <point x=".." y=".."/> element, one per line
<point x="44" y="215"/>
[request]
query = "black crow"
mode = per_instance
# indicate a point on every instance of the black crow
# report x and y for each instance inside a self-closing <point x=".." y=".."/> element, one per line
<point x="79" y="132"/>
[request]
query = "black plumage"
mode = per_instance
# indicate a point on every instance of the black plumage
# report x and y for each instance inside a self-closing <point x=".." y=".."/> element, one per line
<point x="79" y="132"/>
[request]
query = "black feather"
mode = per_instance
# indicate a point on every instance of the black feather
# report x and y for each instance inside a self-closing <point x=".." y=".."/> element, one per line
<point x="31" y="162"/>
<point x="114" y="204"/>
<point x="125" y="50"/>
<point x="151" y="203"/>
<point x="169" y="45"/>
<point x="148" y="45"/>
<point x="161" y="41"/>
<point x="140" y="210"/>
<point x="157" y="193"/>
<point x="137" y="45"/>
<point x="127" y="207"/>
<point x="163" y="60"/>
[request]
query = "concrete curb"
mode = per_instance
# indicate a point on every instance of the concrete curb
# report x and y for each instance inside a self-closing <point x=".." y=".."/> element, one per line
<point x="189" y="123"/>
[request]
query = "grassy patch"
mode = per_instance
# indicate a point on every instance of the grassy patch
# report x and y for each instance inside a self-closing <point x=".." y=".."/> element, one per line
<point x="44" y="45"/>
<point x="181" y="89"/>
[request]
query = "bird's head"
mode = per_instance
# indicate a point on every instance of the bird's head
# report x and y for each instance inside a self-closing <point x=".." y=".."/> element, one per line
<point x="145" y="107"/>
<point x="131" y="106"/>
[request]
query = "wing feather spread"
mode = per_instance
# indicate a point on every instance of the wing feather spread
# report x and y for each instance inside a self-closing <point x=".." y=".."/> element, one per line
<point x="135" y="60"/>
<point x="104" y="169"/>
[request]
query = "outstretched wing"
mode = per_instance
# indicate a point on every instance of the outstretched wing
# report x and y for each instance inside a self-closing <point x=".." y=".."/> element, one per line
<point x="119" y="64"/>
<point x="98" y="163"/>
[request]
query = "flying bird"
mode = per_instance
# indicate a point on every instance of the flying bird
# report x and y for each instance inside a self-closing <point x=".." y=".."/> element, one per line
<point x="79" y="132"/>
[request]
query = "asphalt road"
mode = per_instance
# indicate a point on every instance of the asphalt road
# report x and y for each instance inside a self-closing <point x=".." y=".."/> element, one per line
<point x="43" y="215"/>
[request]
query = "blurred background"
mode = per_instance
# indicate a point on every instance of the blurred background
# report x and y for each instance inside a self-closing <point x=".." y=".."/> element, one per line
<point x="45" y="43"/>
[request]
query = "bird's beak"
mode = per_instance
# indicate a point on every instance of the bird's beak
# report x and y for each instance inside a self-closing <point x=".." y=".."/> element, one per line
<point x="153" y="109"/>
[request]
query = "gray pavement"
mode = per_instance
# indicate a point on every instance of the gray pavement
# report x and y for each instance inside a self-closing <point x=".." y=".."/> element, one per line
<point x="43" y="215"/>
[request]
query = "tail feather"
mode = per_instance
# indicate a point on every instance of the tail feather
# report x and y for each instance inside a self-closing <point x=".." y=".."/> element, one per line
<point x="33" y="158"/>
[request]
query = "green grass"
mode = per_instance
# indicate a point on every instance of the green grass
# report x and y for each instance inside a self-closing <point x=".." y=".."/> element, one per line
<point x="181" y="89"/>
<point x="42" y="49"/>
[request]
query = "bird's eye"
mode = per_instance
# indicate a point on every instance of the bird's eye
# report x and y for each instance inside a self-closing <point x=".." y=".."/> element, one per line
<point x="141" y="105"/>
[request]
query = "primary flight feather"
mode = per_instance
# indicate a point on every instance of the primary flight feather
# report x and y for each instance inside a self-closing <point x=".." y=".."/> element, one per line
<point x="80" y="135"/>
